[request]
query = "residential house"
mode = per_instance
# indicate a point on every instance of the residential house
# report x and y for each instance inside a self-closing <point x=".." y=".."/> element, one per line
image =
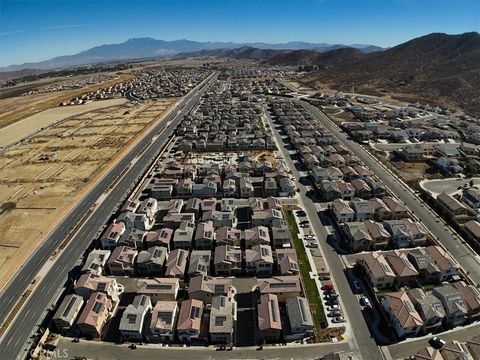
<point x="283" y="286"/>
<point x="223" y="315"/>
<point x="204" y="288"/>
<point x="380" y="209"/>
<point x="471" y="295"/>
<point x="112" y="235"/>
<point x="287" y="262"/>
<point x="256" y="236"/>
<point x="206" y="189"/>
<point x="173" y="220"/>
<point x="151" y="262"/>
<point x="220" y="218"/>
<point x="405" y="272"/>
<point x="472" y="228"/>
<point x="453" y="302"/>
<point x="401" y="314"/>
<point x="472" y="197"/>
<point x="379" y="235"/>
<point x="377" y="270"/>
<point x="133" y="319"/>
<point x="199" y="263"/>
<point x="300" y="321"/>
<point x="281" y="237"/>
<point x="259" y="260"/>
<point x="453" y="207"/>
<point x="160" y="237"/>
<point x="122" y="261"/>
<point x="342" y="212"/>
<point x="425" y="265"/>
<point x="227" y="260"/>
<point x="269" y="321"/>
<point x="133" y="238"/>
<point x="163" y="320"/>
<point x="89" y="283"/>
<point x="67" y="313"/>
<point x="134" y="220"/>
<point x="396" y="209"/>
<point x="96" y="261"/>
<point x="246" y="187"/>
<point x="190" y="321"/>
<point x="176" y="263"/>
<point x="363" y="209"/>
<point x="268" y="218"/>
<point x="406" y="233"/>
<point x="443" y="260"/>
<point x="362" y="189"/>
<point x="287" y="187"/>
<point x="429" y="308"/>
<point x="183" y="236"/>
<point x="94" y="315"/>
<point x="228" y="236"/>
<point x="158" y="289"/>
<point x="357" y="236"/>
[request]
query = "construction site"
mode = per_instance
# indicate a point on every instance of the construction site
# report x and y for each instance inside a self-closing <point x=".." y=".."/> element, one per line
<point x="44" y="176"/>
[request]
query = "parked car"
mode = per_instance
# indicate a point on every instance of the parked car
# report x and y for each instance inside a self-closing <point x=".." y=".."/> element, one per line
<point x="334" y="314"/>
<point x="365" y="302"/>
<point x="323" y="277"/>
<point x="301" y="213"/>
<point x="333" y="308"/>
<point x="327" y="287"/>
<point x="304" y="225"/>
<point x="331" y="302"/>
<point x="309" y="237"/>
<point x="338" y="319"/>
<point x="331" y="297"/>
<point x="437" y="343"/>
<point x="356" y="286"/>
<point x="326" y="292"/>
<point x="313" y="245"/>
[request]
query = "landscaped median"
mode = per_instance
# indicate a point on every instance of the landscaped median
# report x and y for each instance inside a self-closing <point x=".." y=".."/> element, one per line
<point x="310" y="287"/>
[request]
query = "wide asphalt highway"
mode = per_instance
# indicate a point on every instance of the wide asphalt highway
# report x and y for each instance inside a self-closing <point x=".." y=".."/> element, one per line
<point x="466" y="257"/>
<point x="13" y="343"/>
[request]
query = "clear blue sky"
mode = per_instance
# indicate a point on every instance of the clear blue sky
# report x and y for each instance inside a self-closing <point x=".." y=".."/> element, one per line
<point x="38" y="30"/>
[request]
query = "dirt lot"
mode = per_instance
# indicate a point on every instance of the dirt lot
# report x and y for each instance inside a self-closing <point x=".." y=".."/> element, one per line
<point x="19" y="107"/>
<point x="410" y="172"/>
<point x="18" y="130"/>
<point x="35" y="193"/>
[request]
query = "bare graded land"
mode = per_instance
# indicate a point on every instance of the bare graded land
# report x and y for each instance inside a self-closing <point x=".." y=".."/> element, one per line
<point x="35" y="194"/>
<point x="16" y="108"/>
<point x="18" y="130"/>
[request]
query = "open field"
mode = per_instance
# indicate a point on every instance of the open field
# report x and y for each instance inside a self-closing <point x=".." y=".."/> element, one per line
<point x="19" y="107"/>
<point x="18" y="130"/>
<point x="36" y="193"/>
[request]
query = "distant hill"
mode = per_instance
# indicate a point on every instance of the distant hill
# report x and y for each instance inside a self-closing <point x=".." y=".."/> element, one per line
<point x="441" y="69"/>
<point x="244" y="52"/>
<point x="312" y="57"/>
<point x="148" y="48"/>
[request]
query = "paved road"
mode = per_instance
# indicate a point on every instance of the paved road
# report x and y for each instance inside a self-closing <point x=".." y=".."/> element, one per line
<point x="13" y="342"/>
<point x="109" y="351"/>
<point x="467" y="259"/>
<point x="361" y="343"/>
<point x="410" y="347"/>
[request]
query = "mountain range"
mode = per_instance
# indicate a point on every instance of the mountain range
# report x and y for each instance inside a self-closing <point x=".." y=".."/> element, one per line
<point x="437" y="68"/>
<point x="148" y="48"/>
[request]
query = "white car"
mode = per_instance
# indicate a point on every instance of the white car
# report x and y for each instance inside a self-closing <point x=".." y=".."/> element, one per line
<point x="333" y="308"/>
<point x="339" y="319"/>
